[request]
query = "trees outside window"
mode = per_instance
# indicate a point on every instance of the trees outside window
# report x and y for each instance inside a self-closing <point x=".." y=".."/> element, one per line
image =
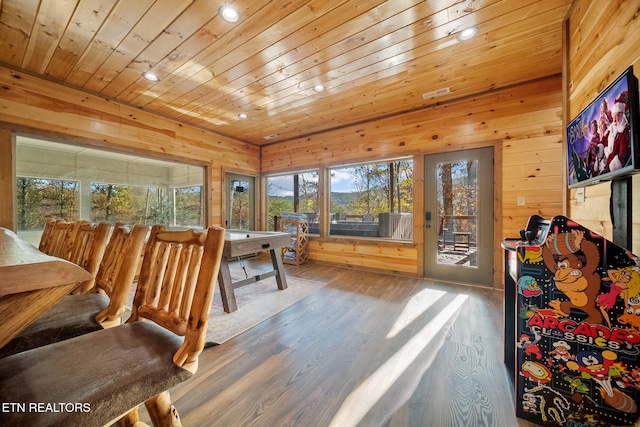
<point x="369" y="199"/>
<point x="188" y="206"/>
<point x="240" y="206"/>
<point x="129" y="204"/>
<point x="373" y="200"/>
<point x="458" y="195"/>
<point x="39" y="199"/>
<point x="74" y="182"/>
<point x="296" y="192"/>
<point x="381" y="187"/>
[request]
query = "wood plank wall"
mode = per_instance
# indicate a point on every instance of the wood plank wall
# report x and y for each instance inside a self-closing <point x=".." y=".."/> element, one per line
<point x="523" y="123"/>
<point x="603" y="40"/>
<point x="39" y="107"/>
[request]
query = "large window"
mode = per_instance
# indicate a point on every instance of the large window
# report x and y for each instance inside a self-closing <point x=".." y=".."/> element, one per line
<point x="293" y="193"/>
<point x="188" y="207"/>
<point x="129" y="204"/>
<point x="39" y="199"/>
<point x="373" y="200"/>
<point x="68" y="181"/>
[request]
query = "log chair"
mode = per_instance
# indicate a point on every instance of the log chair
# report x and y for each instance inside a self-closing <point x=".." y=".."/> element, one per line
<point x="101" y="308"/>
<point x="98" y="378"/>
<point x="45" y="238"/>
<point x="80" y="242"/>
<point x="57" y="236"/>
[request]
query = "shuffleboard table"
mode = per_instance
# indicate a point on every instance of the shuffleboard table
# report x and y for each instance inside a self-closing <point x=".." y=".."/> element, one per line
<point x="239" y="243"/>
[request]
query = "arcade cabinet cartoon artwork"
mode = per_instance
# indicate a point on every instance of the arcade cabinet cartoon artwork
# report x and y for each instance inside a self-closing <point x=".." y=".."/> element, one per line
<point x="600" y="367"/>
<point x="572" y="326"/>
<point x="573" y="275"/>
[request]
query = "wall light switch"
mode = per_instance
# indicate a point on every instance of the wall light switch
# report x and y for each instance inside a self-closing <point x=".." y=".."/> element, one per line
<point x="580" y="195"/>
<point x="521" y="201"/>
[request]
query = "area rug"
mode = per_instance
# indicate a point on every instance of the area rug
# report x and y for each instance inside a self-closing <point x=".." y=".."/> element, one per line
<point x="256" y="302"/>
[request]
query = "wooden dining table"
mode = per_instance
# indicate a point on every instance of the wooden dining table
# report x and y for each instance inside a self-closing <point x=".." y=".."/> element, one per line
<point x="30" y="283"/>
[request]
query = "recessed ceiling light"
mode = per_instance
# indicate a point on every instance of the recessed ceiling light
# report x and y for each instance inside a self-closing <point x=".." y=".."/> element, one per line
<point x="229" y="13"/>
<point x="150" y="76"/>
<point x="243" y="115"/>
<point x="467" y="33"/>
<point x="318" y="88"/>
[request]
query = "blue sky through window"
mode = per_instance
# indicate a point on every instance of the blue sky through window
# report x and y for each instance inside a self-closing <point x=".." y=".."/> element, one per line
<point x="341" y="182"/>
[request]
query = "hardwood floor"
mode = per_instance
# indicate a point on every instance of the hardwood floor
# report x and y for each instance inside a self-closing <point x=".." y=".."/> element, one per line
<point x="368" y="349"/>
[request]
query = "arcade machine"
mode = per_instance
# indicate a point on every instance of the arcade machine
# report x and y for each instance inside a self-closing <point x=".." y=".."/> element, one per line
<point x="572" y="326"/>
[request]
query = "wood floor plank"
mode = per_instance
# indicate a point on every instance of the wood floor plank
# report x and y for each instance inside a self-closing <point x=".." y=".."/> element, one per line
<point x="368" y="349"/>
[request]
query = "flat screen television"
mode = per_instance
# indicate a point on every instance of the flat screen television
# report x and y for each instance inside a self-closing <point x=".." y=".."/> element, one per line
<point x="602" y="140"/>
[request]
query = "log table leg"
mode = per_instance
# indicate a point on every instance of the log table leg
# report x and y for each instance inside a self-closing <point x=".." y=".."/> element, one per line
<point x="162" y="412"/>
<point x="131" y="419"/>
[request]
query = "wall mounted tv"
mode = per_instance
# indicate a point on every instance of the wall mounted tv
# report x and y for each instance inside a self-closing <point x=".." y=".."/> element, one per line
<point x="602" y="140"/>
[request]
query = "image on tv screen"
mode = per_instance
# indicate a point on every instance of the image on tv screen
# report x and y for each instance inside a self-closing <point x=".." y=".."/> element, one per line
<point x="600" y="144"/>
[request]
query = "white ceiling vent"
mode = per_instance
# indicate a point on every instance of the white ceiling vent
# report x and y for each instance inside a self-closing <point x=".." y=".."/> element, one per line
<point x="435" y="93"/>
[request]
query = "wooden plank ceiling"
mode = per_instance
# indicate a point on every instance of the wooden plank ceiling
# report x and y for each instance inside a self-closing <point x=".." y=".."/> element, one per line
<point x="375" y="58"/>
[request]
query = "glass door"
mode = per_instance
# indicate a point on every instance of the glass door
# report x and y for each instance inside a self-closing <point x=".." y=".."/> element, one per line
<point x="458" y="234"/>
<point x="240" y="202"/>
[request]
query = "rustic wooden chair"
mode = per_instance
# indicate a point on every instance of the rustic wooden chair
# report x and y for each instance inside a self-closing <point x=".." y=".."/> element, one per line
<point x="108" y="373"/>
<point x="86" y="249"/>
<point x="57" y="236"/>
<point x="102" y="308"/>
<point x="80" y="242"/>
<point x="46" y="234"/>
<point x="118" y="270"/>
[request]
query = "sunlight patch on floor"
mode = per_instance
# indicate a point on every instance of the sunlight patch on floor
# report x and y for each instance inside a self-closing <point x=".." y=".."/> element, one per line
<point x="370" y="391"/>
<point x="417" y="304"/>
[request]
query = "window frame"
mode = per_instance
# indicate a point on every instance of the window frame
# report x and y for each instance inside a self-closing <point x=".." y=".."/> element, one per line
<point x="329" y="187"/>
<point x="203" y="168"/>
<point x="70" y="215"/>
<point x="270" y="222"/>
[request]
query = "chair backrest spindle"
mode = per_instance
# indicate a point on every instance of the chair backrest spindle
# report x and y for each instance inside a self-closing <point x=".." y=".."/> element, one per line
<point x="176" y="285"/>
<point x="58" y="239"/>
<point x="46" y="235"/>
<point x="117" y="270"/>
<point x="87" y="248"/>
